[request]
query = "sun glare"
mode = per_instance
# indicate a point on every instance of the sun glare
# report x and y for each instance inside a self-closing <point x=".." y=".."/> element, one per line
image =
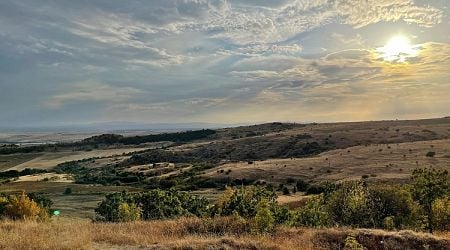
<point x="398" y="49"/>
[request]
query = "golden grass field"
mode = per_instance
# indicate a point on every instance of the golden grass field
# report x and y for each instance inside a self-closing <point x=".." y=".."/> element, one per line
<point x="193" y="233"/>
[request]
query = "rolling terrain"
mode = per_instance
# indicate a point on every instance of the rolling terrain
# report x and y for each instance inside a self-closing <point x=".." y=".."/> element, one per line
<point x="205" y="161"/>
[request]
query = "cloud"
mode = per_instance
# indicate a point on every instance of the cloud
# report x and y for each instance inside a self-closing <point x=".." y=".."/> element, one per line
<point x="92" y="91"/>
<point x="224" y="60"/>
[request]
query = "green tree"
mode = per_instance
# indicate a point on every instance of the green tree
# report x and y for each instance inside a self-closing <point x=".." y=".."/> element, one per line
<point x="441" y="214"/>
<point x="395" y="203"/>
<point x="351" y="205"/>
<point x="428" y="185"/>
<point x="244" y="201"/>
<point x="108" y="209"/>
<point x="313" y="213"/>
<point x="264" y="220"/>
<point x="128" y="212"/>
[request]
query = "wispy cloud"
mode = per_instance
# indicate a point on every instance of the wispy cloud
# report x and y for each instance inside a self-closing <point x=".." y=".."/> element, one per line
<point x="221" y="60"/>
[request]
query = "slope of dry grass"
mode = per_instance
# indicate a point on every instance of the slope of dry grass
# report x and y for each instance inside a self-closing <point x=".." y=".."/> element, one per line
<point x="381" y="162"/>
<point x="192" y="233"/>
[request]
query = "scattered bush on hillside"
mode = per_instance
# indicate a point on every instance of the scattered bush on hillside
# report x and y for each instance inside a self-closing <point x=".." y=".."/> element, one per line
<point x="264" y="220"/>
<point x="244" y="201"/>
<point x="67" y="191"/>
<point x="324" y="187"/>
<point x="108" y="209"/>
<point x="154" y="204"/>
<point x="21" y="207"/>
<point x="43" y="201"/>
<point x="351" y="205"/>
<point x="302" y="185"/>
<point x="395" y="203"/>
<point x="128" y="212"/>
<point x="428" y="185"/>
<point x="441" y="214"/>
<point x="312" y="214"/>
<point x="430" y="154"/>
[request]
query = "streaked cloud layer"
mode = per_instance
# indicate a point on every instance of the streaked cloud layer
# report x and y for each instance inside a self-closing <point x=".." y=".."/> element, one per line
<point x="221" y="61"/>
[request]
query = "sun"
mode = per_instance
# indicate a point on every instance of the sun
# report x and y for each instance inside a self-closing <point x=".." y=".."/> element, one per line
<point x="398" y="49"/>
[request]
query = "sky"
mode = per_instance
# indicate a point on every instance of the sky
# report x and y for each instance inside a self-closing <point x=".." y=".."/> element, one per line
<point x="222" y="61"/>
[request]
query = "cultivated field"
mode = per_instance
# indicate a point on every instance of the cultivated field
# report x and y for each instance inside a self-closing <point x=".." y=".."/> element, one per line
<point x="49" y="160"/>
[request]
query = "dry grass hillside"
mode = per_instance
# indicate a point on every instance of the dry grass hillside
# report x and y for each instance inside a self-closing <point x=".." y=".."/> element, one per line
<point x="190" y="233"/>
<point x="277" y="140"/>
<point x="392" y="162"/>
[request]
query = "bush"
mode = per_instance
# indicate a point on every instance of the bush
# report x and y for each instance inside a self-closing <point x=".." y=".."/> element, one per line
<point x="67" y="191"/>
<point x="324" y="187"/>
<point x="302" y="185"/>
<point x="108" y="209"/>
<point x="23" y="208"/>
<point x="152" y="205"/>
<point x="244" y="201"/>
<point x="128" y="212"/>
<point x="313" y="213"/>
<point x="264" y="220"/>
<point x="430" y="154"/>
<point x="441" y="214"/>
<point x="41" y="200"/>
<point x="351" y="205"/>
<point x="351" y="243"/>
<point x="395" y="203"/>
<point x="429" y="185"/>
<point x="286" y="191"/>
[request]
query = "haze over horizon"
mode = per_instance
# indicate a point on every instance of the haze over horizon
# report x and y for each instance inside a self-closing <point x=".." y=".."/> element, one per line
<point x="222" y="61"/>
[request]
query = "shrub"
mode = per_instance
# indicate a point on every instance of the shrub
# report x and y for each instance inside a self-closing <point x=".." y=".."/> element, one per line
<point x="396" y="203"/>
<point x="23" y="208"/>
<point x="351" y="205"/>
<point x="128" y="212"/>
<point x="152" y="205"/>
<point x="264" y="220"/>
<point x="67" y="191"/>
<point x="108" y="209"/>
<point x="313" y="213"/>
<point x="159" y="204"/>
<point x="428" y="186"/>
<point x="388" y="223"/>
<point x="244" y="201"/>
<point x="302" y="185"/>
<point x="351" y="243"/>
<point x="44" y="202"/>
<point x="441" y="214"/>
<point x="286" y="191"/>
<point x="324" y="187"/>
<point x="430" y="154"/>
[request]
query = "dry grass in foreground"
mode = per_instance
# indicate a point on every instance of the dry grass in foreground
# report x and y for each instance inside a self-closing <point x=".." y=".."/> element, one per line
<point x="194" y="233"/>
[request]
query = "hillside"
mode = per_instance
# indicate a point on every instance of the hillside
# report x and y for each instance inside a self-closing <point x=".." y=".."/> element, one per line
<point x="269" y="154"/>
<point x="222" y="233"/>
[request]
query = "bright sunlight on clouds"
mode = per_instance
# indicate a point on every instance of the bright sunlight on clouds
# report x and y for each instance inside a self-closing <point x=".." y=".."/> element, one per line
<point x="398" y="49"/>
<point x="222" y="61"/>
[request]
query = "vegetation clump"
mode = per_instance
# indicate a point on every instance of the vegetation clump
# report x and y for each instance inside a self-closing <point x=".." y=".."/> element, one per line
<point x="32" y="207"/>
